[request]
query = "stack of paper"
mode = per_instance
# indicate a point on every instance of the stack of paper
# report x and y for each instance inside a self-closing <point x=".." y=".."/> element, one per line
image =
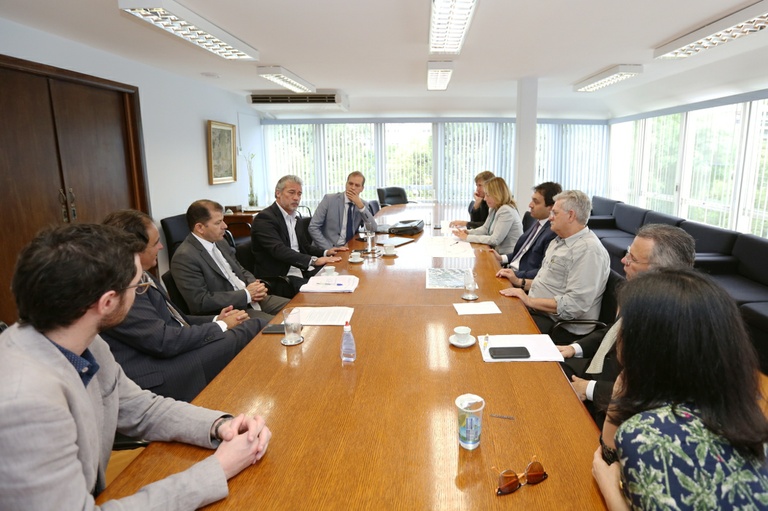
<point x="540" y="346"/>
<point x="331" y="284"/>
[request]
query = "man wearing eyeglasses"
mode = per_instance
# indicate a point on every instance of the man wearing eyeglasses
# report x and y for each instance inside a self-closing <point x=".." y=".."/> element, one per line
<point x="64" y="395"/>
<point x="591" y="361"/>
<point x="158" y="346"/>
<point x="572" y="278"/>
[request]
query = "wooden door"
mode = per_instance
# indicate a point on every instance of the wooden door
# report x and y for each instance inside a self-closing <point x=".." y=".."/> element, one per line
<point x="29" y="172"/>
<point x="91" y="132"/>
<point x="61" y="130"/>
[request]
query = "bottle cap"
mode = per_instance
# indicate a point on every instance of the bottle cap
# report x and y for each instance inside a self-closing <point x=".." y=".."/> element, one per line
<point x="347" y="328"/>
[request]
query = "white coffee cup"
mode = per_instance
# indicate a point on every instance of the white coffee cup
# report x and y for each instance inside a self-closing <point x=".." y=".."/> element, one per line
<point x="355" y="256"/>
<point x="461" y="333"/>
<point x="329" y="270"/>
<point x="389" y="249"/>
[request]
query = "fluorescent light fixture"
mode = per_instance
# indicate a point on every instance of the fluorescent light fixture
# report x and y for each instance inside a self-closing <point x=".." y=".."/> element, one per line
<point x="449" y="25"/>
<point x="608" y="77"/>
<point x="285" y="78"/>
<point x="438" y="75"/>
<point x="182" y="22"/>
<point x="739" y="24"/>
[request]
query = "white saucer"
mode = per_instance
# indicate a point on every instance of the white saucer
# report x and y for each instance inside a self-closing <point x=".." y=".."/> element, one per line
<point x="470" y="342"/>
<point x="357" y="261"/>
<point x="326" y="274"/>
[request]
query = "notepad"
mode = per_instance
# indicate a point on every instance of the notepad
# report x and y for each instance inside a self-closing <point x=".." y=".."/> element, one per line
<point x="331" y="284"/>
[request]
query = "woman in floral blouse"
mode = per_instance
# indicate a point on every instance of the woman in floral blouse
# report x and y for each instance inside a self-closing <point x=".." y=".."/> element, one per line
<point x="689" y="431"/>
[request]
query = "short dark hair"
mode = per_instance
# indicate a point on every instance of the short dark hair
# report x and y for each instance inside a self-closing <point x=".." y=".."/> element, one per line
<point x="356" y="173"/>
<point x="672" y="246"/>
<point x="134" y="223"/>
<point x="199" y="212"/>
<point x="682" y="340"/>
<point x="65" y="270"/>
<point x="548" y="190"/>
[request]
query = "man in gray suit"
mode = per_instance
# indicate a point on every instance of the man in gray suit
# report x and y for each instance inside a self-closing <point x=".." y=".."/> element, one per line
<point x="158" y="346"/>
<point x="339" y="215"/>
<point x="208" y="275"/>
<point x="64" y="396"/>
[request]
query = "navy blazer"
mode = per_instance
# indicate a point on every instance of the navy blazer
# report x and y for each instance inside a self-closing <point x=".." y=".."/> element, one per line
<point x="531" y="260"/>
<point x="271" y="245"/>
<point x="172" y="360"/>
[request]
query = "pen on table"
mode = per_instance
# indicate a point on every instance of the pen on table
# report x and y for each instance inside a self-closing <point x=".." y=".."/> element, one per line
<point x="502" y="416"/>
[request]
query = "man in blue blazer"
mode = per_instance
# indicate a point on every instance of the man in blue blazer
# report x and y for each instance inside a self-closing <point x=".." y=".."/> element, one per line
<point x="281" y="247"/>
<point x="158" y="346"/>
<point x="525" y="260"/>
<point x="339" y="215"/>
<point x="64" y="396"/>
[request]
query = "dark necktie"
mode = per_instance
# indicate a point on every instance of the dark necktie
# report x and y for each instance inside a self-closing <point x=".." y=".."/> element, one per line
<point x="171" y="308"/>
<point x="528" y="242"/>
<point x="350" y="224"/>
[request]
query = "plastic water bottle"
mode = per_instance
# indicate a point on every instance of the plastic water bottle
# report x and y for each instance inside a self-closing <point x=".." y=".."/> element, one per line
<point x="348" y="349"/>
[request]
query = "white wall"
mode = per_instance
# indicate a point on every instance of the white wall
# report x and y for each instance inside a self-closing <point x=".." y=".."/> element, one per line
<point x="174" y="113"/>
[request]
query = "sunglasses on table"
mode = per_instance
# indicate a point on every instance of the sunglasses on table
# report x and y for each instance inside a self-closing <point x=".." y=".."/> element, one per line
<point x="509" y="481"/>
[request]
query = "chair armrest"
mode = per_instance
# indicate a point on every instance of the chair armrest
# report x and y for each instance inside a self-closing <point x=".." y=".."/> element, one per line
<point x="562" y="323"/>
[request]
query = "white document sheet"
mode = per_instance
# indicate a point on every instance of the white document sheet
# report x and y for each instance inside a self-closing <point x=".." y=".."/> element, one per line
<point x="449" y="246"/>
<point x="325" y="316"/>
<point x="331" y="284"/>
<point x="540" y="346"/>
<point x="469" y="308"/>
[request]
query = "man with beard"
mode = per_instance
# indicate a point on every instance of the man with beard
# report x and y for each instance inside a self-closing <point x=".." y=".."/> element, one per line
<point x="64" y="396"/>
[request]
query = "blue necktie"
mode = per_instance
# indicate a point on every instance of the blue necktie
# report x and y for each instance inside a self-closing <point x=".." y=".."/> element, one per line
<point x="350" y="225"/>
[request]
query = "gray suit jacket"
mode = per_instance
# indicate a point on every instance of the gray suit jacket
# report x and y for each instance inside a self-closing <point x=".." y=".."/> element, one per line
<point x="56" y="434"/>
<point x="325" y="227"/>
<point x="204" y="286"/>
<point x="172" y="360"/>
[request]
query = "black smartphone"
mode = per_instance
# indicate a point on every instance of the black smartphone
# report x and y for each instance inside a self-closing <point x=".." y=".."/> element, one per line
<point x="510" y="352"/>
<point x="279" y="328"/>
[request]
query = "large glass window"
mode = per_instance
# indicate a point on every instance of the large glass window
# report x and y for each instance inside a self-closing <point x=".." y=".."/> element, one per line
<point x="574" y="155"/>
<point x="711" y="164"/>
<point x="409" y="159"/>
<point x="756" y="175"/>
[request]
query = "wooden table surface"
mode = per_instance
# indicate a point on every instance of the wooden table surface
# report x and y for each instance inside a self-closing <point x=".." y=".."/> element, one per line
<point x="382" y="433"/>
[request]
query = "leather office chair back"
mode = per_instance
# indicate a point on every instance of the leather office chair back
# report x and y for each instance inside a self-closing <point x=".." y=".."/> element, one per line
<point x="608" y="306"/>
<point x="173" y="292"/>
<point x="374" y="206"/>
<point x="3" y="326"/>
<point x="392" y="195"/>
<point x="528" y="220"/>
<point x="175" y="229"/>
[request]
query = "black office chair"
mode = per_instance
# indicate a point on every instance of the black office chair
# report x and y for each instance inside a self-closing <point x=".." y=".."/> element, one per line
<point x="173" y="292"/>
<point x="3" y="326"/>
<point x="392" y="195"/>
<point x="608" y="306"/>
<point x="374" y="206"/>
<point x="176" y="230"/>
<point x="528" y="220"/>
<point x="124" y="443"/>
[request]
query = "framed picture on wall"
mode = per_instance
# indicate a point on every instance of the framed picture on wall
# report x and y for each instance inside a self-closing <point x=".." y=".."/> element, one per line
<point x="222" y="163"/>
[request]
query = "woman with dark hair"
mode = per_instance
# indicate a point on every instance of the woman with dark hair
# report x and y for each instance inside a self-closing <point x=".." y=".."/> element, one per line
<point x="689" y="431"/>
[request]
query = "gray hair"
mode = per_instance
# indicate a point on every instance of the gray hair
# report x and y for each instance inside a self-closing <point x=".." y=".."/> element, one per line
<point x="576" y="201"/>
<point x="672" y="246"/>
<point x="284" y="181"/>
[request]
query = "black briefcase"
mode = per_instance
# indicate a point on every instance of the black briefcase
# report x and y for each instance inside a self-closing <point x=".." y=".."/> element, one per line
<point x="407" y="227"/>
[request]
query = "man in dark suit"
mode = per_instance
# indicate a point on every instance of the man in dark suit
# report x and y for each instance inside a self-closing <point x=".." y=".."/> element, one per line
<point x="279" y="248"/>
<point x="158" y="346"/>
<point x="208" y="275"/>
<point x="339" y="215"/>
<point x="591" y="361"/>
<point x="524" y="262"/>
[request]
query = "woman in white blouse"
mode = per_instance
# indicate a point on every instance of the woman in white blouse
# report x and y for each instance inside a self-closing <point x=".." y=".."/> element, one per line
<point x="503" y="226"/>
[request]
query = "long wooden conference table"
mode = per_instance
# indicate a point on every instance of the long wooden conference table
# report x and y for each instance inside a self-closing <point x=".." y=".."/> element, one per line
<point x="382" y="433"/>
